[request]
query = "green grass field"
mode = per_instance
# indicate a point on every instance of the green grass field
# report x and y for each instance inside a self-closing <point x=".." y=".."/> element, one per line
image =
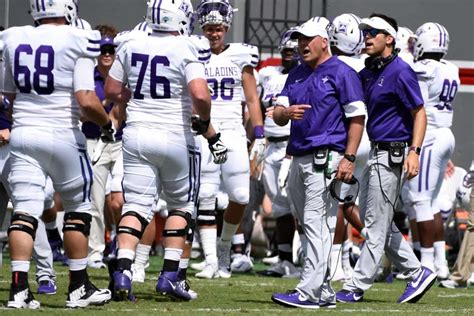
<point x="242" y="294"/>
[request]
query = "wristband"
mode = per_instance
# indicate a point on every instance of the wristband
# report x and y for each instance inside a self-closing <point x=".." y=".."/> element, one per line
<point x="258" y="131"/>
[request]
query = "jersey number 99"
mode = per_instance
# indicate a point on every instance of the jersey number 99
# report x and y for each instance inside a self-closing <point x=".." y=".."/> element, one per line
<point x="43" y="78"/>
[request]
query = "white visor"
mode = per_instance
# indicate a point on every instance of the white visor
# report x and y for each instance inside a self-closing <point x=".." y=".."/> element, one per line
<point x="378" y="24"/>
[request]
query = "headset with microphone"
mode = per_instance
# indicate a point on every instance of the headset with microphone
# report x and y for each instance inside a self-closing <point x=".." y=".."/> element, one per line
<point x="335" y="190"/>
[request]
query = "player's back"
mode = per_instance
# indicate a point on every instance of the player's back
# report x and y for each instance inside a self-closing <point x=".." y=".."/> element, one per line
<point x="40" y="65"/>
<point x="224" y="76"/>
<point x="355" y="62"/>
<point x="439" y="82"/>
<point x="155" y="69"/>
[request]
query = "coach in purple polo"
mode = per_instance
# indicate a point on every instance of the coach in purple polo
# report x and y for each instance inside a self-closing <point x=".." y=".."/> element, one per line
<point x="322" y="98"/>
<point x="396" y="125"/>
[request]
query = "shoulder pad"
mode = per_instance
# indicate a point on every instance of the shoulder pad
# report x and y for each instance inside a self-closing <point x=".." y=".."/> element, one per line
<point x="201" y="45"/>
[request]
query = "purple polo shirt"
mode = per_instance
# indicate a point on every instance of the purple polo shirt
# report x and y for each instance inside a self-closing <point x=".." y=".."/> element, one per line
<point x="92" y="130"/>
<point x="4" y="121"/>
<point x="327" y="89"/>
<point x="390" y="95"/>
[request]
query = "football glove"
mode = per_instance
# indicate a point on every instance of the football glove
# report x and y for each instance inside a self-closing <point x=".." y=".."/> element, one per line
<point x="218" y="149"/>
<point x="283" y="175"/>
<point x="108" y="133"/>
<point x="258" y="150"/>
<point x="5" y="103"/>
<point x="468" y="180"/>
<point x="199" y="126"/>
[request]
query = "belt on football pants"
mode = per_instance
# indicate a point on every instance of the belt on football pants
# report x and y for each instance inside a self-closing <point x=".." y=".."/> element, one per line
<point x="273" y="139"/>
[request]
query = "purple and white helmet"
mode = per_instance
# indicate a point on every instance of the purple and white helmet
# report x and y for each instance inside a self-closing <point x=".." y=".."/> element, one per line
<point x="41" y="9"/>
<point x="215" y="12"/>
<point x="286" y="42"/>
<point x="345" y="33"/>
<point x="430" y="38"/>
<point x="170" y="16"/>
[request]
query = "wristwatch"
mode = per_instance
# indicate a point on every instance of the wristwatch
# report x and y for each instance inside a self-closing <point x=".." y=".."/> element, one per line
<point x="350" y="157"/>
<point x="416" y="149"/>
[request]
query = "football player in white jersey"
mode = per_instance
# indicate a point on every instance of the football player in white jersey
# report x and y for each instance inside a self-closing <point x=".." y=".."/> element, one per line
<point x="439" y="82"/>
<point x="347" y="43"/>
<point x="230" y="69"/>
<point x="165" y="75"/>
<point x="272" y="80"/>
<point x="48" y="72"/>
<point x="404" y="42"/>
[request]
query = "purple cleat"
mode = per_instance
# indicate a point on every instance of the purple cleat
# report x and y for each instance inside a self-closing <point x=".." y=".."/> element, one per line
<point x="346" y="296"/>
<point x="294" y="298"/>
<point x="418" y="286"/>
<point x="47" y="287"/>
<point x="122" y="286"/>
<point x="170" y="285"/>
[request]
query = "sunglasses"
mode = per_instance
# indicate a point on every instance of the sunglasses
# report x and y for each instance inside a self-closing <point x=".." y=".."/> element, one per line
<point x="373" y="32"/>
<point x="107" y="50"/>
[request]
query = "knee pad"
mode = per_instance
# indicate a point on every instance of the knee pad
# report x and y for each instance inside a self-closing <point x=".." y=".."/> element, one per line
<point x="84" y="228"/>
<point x="239" y="195"/>
<point x="132" y="231"/>
<point x="206" y="217"/>
<point x="178" y="232"/>
<point x="191" y="229"/>
<point x="423" y="211"/>
<point x="22" y="227"/>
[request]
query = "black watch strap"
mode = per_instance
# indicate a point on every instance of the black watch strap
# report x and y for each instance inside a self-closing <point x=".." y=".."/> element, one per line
<point x="350" y="157"/>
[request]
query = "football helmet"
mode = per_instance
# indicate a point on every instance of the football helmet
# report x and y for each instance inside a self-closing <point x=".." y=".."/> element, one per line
<point x="404" y="35"/>
<point x="54" y="9"/>
<point x="215" y="12"/>
<point x="345" y="33"/>
<point x="430" y="38"/>
<point x="170" y="15"/>
<point x="143" y="27"/>
<point x="286" y="42"/>
<point x="81" y="24"/>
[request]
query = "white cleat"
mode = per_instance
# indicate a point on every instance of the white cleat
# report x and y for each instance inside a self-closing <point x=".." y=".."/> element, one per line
<point x="198" y="266"/>
<point x="470" y="282"/>
<point x="187" y="288"/>
<point x="451" y="284"/>
<point x="97" y="264"/>
<point x="23" y="299"/>
<point x="138" y="273"/>
<point x="442" y="271"/>
<point x="271" y="260"/>
<point x="209" y="272"/>
<point x="87" y="294"/>
<point x="241" y="263"/>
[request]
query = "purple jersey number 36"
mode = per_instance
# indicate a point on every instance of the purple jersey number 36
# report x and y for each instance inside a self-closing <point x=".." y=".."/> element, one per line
<point x="43" y="78"/>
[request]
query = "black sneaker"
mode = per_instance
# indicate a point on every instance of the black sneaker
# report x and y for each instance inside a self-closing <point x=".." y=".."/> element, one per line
<point x="22" y="298"/>
<point x="87" y="294"/>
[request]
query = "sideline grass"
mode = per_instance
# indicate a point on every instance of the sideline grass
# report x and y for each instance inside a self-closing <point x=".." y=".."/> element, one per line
<point x="242" y="294"/>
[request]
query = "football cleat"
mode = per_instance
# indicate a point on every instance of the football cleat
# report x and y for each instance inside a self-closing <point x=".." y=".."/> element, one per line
<point x="87" y="294"/>
<point x="345" y="296"/>
<point x="442" y="271"/>
<point x="199" y="266"/>
<point x="122" y="286"/>
<point x="47" y="287"/>
<point x="187" y="288"/>
<point x="209" y="272"/>
<point x="22" y="298"/>
<point x="241" y="263"/>
<point x="451" y="284"/>
<point x="282" y="269"/>
<point x="294" y="298"/>
<point x="418" y="286"/>
<point x="97" y="264"/>
<point x="169" y="285"/>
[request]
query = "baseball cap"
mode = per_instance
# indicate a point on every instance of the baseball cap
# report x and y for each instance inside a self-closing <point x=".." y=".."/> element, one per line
<point x="107" y="41"/>
<point x="310" y="28"/>
<point x="378" y="24"/>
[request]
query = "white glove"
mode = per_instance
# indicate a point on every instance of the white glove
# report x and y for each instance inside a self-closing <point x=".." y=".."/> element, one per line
<point x="98" y="150"/>
<point x="258" y="150"/>
<point x="218" y="149"/>
<point x="468" y="180"/>
<point x="283" y="175"/>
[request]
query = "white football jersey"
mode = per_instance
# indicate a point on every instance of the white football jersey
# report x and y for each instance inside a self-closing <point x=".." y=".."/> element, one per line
<point x="224" y="77"/>
<point x="39" y="68"/>
<point x="154" y="68"/>
<point x="439" y="83"/>
<point x="272" y="81"/>
<point x="355" y="62"/>
<point x="408" y="58"/>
